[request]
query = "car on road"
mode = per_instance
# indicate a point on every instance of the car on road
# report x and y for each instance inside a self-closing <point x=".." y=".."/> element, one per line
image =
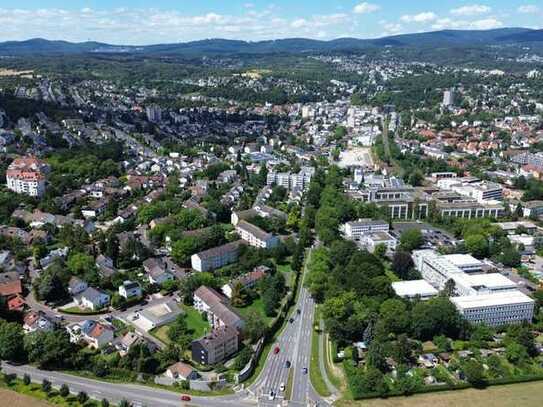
<point x="298" y="311"/>
<point x="291" y="320"/>
<point x="185" y="397"/>
<point x="276" y="350"/>
<point x="304" y="370"/>
<point x="271" y="396"/>
<point x="287" y="364"/>
<point x="282" y="387"/>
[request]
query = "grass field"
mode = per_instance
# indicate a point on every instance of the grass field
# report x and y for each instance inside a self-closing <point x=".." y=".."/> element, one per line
<point x="195" y="323"/>
<point x="314" y="369"/>
<point x="258" y="306"/>
<point x="513" y="395"/>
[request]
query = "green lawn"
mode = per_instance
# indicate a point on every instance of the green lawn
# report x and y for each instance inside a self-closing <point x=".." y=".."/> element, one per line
<point x="195" y="323"/>
<point x="287" y="272"/>
<point x="258" y="306"/>
<point x="314" y="370"/>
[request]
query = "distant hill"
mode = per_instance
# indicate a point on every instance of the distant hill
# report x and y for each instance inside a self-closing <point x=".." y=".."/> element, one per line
<point x="444" y="38"/>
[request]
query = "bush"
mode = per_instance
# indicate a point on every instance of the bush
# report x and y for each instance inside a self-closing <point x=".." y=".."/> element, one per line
<point x="82" y="397"/>
<point x="26" y="379"/>
<point x="46" y="385"/>
<point x="64" y="391"/>
<point x="9" y="378"/>
<point x="124" y="403"/>
<point x="104" y="403"/>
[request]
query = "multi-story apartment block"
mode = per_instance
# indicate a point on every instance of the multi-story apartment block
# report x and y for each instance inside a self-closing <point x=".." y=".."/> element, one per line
<point x="291" y="181"/>
<point x="215" y="347"/>
<point x="255" y="236"/>
<point x="27" y="175"/>
<point x="216" y="257"/>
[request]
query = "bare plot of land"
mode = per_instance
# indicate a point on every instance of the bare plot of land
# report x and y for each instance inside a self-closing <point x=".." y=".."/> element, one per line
<point x="358" y="156"/>
<point x="13" y="399"/>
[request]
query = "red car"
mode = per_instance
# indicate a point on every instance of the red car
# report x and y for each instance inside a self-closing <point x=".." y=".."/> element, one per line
<point x="185" y="397"/>
<point x="276" y="350"/>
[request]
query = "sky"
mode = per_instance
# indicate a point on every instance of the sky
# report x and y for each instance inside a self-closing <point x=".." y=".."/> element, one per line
<point x="139" y="22"/>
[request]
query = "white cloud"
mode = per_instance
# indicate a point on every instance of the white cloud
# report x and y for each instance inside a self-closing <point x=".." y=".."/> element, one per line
<point x="486" y="24"/>
<point x="483" y="24"/>
<point x="423" y="17"/>
<point x="471" y="10"/>
<point x="366" y="8"/>
<point x="528" y="9"/>
<point x="391" y="28"/>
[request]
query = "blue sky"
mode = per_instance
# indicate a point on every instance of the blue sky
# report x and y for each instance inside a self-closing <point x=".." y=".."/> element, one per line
<point x="147" y="22"/>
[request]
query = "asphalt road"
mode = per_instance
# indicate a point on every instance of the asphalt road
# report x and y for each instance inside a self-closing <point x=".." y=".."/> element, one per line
<point x="115" y="392"/>
<point x="295" y="346"/>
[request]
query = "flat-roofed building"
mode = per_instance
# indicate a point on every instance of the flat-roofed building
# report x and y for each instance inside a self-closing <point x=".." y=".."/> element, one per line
<point x="356" y="229"/>
<point x="215" y="347"/>
<point x="502" y="308"/>
<point x="414" y="289"/>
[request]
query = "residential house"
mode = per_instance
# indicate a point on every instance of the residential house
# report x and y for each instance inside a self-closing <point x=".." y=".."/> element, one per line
<point x="130" y="289"/>
<point x="38" y="321"/>
<point x="247" y="280"/>
<point x="76" y="286"/>
<point x="95" y="334"/>
<point x="181" y="371"/>
<point x="92" y="299"/>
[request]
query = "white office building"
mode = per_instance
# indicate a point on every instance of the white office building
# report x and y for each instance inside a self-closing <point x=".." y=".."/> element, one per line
<point x="480" y="297"/>
<point x="503" y="308"/>
<point x="356" y="229"/>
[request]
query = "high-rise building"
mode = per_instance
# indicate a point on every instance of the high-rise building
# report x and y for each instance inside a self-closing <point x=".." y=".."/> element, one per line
<point x="448" y="97"/>
<point x="154" y="113"/>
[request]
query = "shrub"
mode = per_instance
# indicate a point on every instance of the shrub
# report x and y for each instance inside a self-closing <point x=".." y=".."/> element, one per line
<point x="46" y="385"/>
<point x="82" y="397"/>
<point x="26" y="379"/>
<point x="64" y="391"/>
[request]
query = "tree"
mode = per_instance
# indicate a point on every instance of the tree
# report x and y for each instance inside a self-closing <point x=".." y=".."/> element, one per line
<point x="11" y="341"/>
<point x="46" y="385"/>
<point x="477" y="245"/>
<point x="380" y="250"/>
<point x="511" y="257"/>
<point x="124" y="403"/>
<point x="49" y="350"/>
<point x="82" y="397"/>
<point x="437" y="316"/>
<point x="26" y="379"/>
<point x="376" y="356"/>
<point x="411" y="239"/>
<point x="402" y="263"/>
<point x="516" y="353"/>
<point x="243" y="358"/>
<point x="394" y="316"/>
<point x="64" y="391"/>
<point x="104" y="403"/>
<point x="474" y="373"/>
<point x="255" y="327"/>
<point x="449" y="288"/>
<point x="373" y="382"/>
<point x="402" y="350"/>
<point x="239" y="296"/>
<point x="179" y="333"/>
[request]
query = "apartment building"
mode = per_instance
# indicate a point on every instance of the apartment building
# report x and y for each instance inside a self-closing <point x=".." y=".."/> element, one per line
<point x="215" y="347"/>
<point x="27" y="175"/>
<point x="255" y="236"/>
<point x="218" y="309"/>
<point x="216" y="257"/>
<point x="290" y="180"/>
